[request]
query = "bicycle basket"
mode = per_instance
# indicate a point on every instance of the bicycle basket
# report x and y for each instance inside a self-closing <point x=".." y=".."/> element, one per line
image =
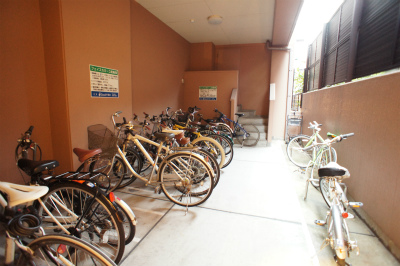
<point x="99" y="136"/>
<point x="183" y="117"/>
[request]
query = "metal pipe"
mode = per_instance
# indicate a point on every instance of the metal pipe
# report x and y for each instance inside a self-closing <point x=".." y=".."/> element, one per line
<point x="270" y="47"/>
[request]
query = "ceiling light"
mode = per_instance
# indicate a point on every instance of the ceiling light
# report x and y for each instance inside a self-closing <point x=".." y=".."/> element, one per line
<point x="215" y="19"/>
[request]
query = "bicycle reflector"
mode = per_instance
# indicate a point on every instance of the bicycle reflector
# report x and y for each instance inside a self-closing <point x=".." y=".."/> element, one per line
<point x="345" y="215"/>
<point x="61" y="249"/>
<point x="111" y="196"/>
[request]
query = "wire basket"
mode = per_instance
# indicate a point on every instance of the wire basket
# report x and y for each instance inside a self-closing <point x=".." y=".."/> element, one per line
<point x="99" y="136"/>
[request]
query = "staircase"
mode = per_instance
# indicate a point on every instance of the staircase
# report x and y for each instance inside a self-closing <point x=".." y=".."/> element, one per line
<point x="261" y="122"/>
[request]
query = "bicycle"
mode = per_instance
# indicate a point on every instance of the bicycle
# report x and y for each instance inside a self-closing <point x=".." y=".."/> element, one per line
<point x="78" y="207"/>
<point x="93" y="158"/>
<point x="246" y="134"/>
<point x="22" y="226"/>
<point x="338" y="236"/>
<point x="306" y="152"/>
<point x="184" y="177"/>
<point x="215" y="144"/>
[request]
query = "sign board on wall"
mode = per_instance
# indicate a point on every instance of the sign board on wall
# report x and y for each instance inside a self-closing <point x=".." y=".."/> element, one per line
<point x="103" y="82"/>
<point x="208" y="93"/>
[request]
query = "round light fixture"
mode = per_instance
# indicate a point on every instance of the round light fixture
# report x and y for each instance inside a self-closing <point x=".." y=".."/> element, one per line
<point x="214" y="19"/>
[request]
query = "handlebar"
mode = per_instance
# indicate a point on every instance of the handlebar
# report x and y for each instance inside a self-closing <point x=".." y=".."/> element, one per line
<point x="29" y="131"/>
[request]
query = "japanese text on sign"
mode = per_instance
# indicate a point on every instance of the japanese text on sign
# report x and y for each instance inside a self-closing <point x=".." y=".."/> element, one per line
<point x="208" y="93"/>
<point x="104" y="82"/>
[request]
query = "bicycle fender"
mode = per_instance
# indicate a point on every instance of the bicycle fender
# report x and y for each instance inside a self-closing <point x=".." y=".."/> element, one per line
<point x="122" y="204"/>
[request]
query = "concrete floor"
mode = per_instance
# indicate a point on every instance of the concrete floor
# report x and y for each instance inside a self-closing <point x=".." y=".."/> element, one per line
<point x="255" y="216"/>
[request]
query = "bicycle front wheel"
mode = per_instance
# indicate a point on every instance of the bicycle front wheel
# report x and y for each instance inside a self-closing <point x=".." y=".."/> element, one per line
<point x="296" y="153"/>
<point x="63" y="250"/>
<point x="186" y="179"/>
<point x="86" y="214"/>
<point x="250" y="136"/>
<point x="324" y="186"/>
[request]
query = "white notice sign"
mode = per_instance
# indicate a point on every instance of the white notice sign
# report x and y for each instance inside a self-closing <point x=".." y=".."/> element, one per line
<point x="208" y="93"/>
<point x="104" y="82"/>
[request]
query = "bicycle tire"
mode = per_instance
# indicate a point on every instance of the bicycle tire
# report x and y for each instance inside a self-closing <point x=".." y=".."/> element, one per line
<point x="324" y="188"/>
<point x="322" y="160"/>
<point x="113" y="169"/>
<point x="129" y="227"/>
<point x="47" y="250"/>
<point x="297" y="156"/>
<point x="197" y="187"/>
<point x="250" y="138"/>
<point x="226" y="145"/>
<point x="210" y="159"/>
<point x="212" y="146"/>
<point x="224" y="128"/>
<point x="102" y="216"/>
<point x="136" y="163"/>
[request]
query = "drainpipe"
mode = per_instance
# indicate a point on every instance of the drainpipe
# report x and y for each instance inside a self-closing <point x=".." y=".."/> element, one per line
<point x="280" y="48"/>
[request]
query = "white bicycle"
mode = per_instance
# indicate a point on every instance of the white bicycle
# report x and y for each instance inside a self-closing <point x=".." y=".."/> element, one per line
<point x="21" y="227"/>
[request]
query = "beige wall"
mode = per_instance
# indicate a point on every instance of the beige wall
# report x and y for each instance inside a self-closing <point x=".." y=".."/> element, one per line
<point x="277" y="107"/>
<point x="369" y="108"/>
<point x="24" y="98"/>
<point x="225" y="81"/>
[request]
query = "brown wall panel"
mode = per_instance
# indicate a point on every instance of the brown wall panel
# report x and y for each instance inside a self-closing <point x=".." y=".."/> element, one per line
<point x="369" y="108"/>
<point x="24" y="99"/>
<point x="159" y="59"/>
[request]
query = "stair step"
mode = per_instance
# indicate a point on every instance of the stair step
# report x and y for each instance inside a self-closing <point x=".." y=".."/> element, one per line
<point x="260" y="143"/>
<point x="257" y="120"/>
<point x="248" y="113"/>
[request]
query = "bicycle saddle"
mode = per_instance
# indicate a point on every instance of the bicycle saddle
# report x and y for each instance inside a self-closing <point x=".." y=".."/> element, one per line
<point x="239" y="114"/>
<point x="19" y="194"/>
<point x="194" y="123"/>
<point x="333" y="169"/>
<point x="163" y="136"/>
<point x="83" y="155"/>
<point x="31" y="167"/>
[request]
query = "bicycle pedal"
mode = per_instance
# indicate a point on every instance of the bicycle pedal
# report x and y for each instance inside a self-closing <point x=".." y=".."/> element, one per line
<point x="356" y="204"/>
<point x="320" y="222"/>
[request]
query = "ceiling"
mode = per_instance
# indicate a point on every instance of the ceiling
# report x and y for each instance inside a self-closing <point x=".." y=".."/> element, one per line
<point x="243" y="21"/>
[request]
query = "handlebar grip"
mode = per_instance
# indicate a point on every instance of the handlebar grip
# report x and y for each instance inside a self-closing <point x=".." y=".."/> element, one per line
<point x="124" y="120"/>
<point x="118" y="112"/>
<point x="345" y="136"/>
<point x="30" y="130"/>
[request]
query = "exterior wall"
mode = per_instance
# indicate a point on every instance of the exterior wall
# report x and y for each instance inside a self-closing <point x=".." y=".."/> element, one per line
<point x="23" y="100"/>
<point x="253" y="62"/>
<point x="159" y="59"/>
<point x="369" y="108"/>
<point x="277" y="107"/>
<point x="225" y="81"/>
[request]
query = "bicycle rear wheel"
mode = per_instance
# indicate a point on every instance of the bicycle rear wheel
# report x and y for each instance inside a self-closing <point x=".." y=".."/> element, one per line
<point x="186" y="179"/>
<point x="323" y="159"/>
<point x="71" y="203"/>
<point x="225" y="129"/>
<point x="250" y="137"/>
<point x="324" y="186"/>
<point x="296" y="153"/>
<point x="63" y="250"/>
